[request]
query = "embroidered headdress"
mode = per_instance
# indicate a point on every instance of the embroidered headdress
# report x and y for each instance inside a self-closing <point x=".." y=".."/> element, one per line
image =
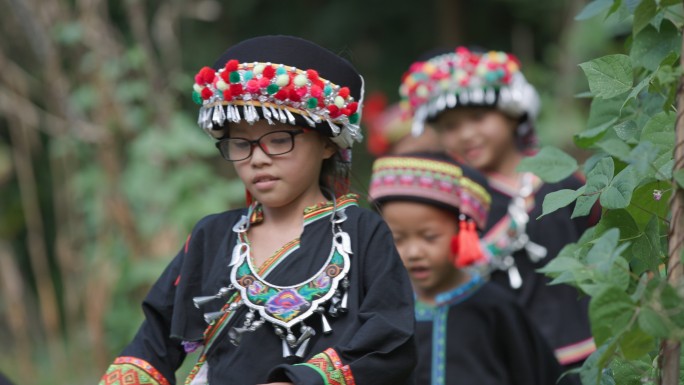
<point x="465" y="78"/>
<point x="281" y="79"/>
<point x="437" y="180"/>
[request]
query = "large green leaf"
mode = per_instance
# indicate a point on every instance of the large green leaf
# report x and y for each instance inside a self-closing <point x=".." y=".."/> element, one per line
<point x="615" y="147"/>
<point x="643" y="14"/>
<point x="550" y="164"/>
<point x="644" y="206"/>
<point x="635" y="343"/>
<point x="609" y="312"/>
<point x="594" y="8"/>
<point x="659" y="130"/>
<point x="619" y="191"/>
<point x="650" y="46"/>
<point x="609" y="76"/>
<point x="626" y="130"/>
<point x="652" y="323"/>
<point x="558" y="199"/>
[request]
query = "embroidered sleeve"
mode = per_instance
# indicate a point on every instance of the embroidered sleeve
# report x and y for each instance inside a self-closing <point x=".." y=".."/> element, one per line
<point x="329" y="365"/>
<point x="132" y="371"/>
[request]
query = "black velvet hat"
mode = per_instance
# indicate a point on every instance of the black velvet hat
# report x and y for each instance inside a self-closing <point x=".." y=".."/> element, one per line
<point x="281" y="79"/>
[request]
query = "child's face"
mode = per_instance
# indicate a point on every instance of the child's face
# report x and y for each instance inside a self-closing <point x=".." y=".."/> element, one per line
<point x="482" y="137"/>
<point x="278" y="180"/>
<point x="422" y="234"/>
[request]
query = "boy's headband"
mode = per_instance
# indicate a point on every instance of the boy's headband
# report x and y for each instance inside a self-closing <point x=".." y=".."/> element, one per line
<point x="435" y="181"/>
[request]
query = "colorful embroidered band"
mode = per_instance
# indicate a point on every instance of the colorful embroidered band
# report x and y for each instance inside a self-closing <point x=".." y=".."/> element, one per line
<point x="430" y="180"/>
<point x="279" y="91"/>
<point x="132" y="371"/>
<point x="466" y="78"/>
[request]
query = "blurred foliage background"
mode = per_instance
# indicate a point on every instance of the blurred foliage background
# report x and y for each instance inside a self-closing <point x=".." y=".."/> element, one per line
<point x="103" y="170"/>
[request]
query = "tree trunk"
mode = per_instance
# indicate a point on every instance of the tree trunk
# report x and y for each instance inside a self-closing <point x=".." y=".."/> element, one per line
<point x="671" y="348"/>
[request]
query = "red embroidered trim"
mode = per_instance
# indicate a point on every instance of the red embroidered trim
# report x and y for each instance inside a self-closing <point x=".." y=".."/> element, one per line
<point x="330" y="364"/>
<point x="132" y="371"/>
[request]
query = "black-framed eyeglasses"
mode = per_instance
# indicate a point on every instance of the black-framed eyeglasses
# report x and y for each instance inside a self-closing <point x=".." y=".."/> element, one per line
<point x="272" y="143"/>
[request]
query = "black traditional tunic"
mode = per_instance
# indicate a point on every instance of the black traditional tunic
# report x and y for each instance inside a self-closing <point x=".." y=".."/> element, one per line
<point x="372" y="343"/>
<point x="557" y="310"/>
<point x="477" y="334"/>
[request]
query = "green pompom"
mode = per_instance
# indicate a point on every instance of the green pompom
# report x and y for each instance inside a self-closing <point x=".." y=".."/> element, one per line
<point x="354" y="118"/>
<point x="327" y="90"/>
<point x="196" y="97"/>
<point x="272" y="89"/>
<point x="312" y="103"/>
<point x="235" y="77"/>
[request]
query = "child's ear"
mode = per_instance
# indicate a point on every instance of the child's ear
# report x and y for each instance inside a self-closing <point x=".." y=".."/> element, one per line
<point x="330" y="149"/>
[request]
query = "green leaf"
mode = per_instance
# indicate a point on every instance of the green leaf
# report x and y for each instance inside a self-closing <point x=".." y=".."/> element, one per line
<point x="642" y="157"/>
<point x="678" y="176"/>
<point x="619" y="219"/>
<point x="609" y="76"/>
<point x="615" y="147"/>
<point x="646" y="250"/>
<point x="650" y="46"/>
<point x="558" y="199"/>
<point x="632" y="372"/>
<point x="626" y="130"/>
<point x="659" y="130"/>
<point x="584" y="205"/>
<point x="594" y="8"/>
<point x="665" y="171"/>
<point x="604" y="247"/>
<point x="652" y="323"/>
<point x="636" y="343"/>
<point x="603" y="113"/>
<point x="599" y="176"/>
<point x="645" y="11"/>
<point x="618" y="193"/>
<point x="609" y="312"/>
<point x="592" y="368"/>
<point x="644" y="206"/>
<point x="637" y="90"/>
<point x="550" y="164"/>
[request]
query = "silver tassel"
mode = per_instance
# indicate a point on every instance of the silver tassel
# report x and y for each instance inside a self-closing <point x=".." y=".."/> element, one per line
<point x="315" y="117"/>
<point x="286" y="350"/>
<point x="267" y="114"/>
<point x="274" y="113"/>
<point x="213" y="316"/>
<point x="290" y="117"/>
<point x="219" y="115"/>
<point x="205" y="299"/>
<point x="301" y="352"/>
<point x="327" y="329"/>
<point x="281" y="115"/>
<point x="236" y="111"/>
<point x="451" y="100"/>
<point x="335" y="129"/>
<point x="310" y="122"/>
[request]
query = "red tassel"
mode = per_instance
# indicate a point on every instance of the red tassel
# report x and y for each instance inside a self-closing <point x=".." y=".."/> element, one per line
<point x="467" y="245"/>
<point x="248" y="198"/>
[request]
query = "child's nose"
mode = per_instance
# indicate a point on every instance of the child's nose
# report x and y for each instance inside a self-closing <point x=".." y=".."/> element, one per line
<point x="259" y="156"/>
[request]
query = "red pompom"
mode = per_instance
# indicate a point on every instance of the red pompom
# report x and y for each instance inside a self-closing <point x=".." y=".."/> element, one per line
<point x="206" y="93"/>
<point x="232" y="65"/>
<point x="316" y="91"/>
<point x="353" y="106"/>
<point x="225" y="75"/>
<point x="333" y="111"/>
<point x="346" y="111"/>
<point x="227" y="95"/>
<point x="321" y="102"/>
<point x="264" y="82"/>
<point x="281" y="94"/>
<point x="198" y="79"/>
<point x="344" y="92"/>
<point x="312" y="75"/>
<point x="269" y="72"/>
<point x="318" y="82"/>
<point x="294" y="95"/>
<point x="207" y="74"/>
<point x="236" y="89"/>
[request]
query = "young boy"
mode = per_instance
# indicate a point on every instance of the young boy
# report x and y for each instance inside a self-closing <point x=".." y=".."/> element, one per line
<point x="468" y="331"/>
<point x="484" y="109"/>
<point x="303" y="286"/>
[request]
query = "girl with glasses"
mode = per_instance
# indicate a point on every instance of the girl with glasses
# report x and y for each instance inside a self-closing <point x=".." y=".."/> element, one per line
<point x="302" y="286"/>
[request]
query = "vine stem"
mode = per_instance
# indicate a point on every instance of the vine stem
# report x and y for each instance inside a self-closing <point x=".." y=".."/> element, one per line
<point x="671" y="348"/>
